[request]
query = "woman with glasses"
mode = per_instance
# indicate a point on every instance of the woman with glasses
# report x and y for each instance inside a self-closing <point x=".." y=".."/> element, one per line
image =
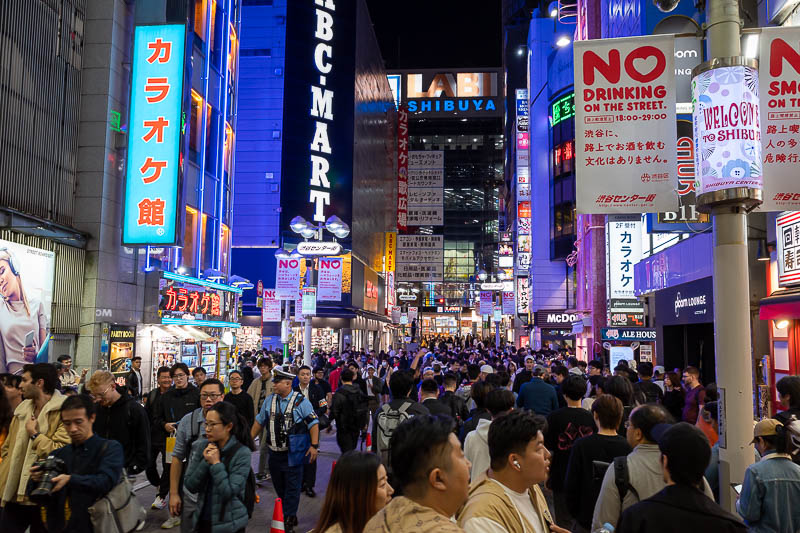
<point x="219" y="466"/>
<point x="239" y="398"/>
<point x="23" y="322"/>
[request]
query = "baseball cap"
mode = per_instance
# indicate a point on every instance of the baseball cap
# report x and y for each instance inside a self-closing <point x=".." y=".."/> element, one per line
<point x="529" y="358"/>
<point x="765" y="428"/>
<point x="575" y="371"/>
<point x="487" y="369"/>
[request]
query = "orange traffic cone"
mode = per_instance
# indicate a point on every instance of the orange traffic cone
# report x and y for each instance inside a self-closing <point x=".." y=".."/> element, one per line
<point x="369" y="441"/>
<point x="277" y="517"/>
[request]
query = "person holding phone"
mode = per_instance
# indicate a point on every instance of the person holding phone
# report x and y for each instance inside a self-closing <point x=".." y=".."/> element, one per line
<point x="23" y="322"/>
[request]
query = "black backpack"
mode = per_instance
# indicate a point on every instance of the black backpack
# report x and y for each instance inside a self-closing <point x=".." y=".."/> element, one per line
<point x="249" y="500"/>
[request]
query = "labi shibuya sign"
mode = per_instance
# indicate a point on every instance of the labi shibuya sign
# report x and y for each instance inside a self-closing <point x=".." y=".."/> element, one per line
<point x="442" y="93"/>
<point x="746" y="125"/>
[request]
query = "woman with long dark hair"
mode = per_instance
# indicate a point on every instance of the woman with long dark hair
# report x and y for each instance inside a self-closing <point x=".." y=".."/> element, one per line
<point x="218" y="471"/>
<point x="358" y="489"/>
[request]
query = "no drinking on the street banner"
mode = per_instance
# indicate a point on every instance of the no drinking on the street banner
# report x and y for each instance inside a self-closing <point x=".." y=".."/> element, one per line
<point x="625" y="124"/>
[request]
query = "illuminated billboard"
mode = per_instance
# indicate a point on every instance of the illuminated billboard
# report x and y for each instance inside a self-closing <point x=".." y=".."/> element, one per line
<point x="154" y="136"/>
<point x="443" y="92"/>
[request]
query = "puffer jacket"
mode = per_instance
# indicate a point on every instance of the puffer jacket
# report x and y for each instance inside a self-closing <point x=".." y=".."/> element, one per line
<point x="19" y="452"/>
<point x="227" y="487"/>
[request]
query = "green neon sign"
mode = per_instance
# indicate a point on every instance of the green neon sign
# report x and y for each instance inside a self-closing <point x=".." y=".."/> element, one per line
<point x="562" y="109"/>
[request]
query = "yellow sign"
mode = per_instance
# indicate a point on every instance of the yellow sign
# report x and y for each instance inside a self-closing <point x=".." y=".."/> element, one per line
<point x="390" y="251"/>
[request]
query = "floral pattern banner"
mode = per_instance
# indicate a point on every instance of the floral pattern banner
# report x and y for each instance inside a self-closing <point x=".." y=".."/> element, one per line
<point x="727" y="129"/>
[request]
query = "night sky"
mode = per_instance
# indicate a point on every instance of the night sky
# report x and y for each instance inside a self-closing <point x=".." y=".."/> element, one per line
<point x="438" y="33"/>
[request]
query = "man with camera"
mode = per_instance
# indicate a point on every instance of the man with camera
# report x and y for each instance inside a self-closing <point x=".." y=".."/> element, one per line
<point x="74" y="477"/>
<point x="36" y="430"/>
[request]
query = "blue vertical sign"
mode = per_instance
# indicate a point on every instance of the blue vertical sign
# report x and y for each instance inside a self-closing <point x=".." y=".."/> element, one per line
<point x="154" y="136"/>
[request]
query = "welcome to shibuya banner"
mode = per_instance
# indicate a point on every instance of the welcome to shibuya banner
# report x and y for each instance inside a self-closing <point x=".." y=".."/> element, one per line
<point x="746" y="124"/>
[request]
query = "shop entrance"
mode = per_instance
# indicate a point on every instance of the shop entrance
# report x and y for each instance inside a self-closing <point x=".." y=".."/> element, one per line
<point x="690" y="345"/>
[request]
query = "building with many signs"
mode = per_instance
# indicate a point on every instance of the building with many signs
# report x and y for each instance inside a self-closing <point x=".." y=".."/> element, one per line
<point x="455" y="171"/>
<point x="318" y="129"/>
<point x="141" y="124"/>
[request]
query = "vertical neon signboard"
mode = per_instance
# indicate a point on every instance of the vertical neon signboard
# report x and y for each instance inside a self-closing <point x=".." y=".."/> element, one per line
<point x="154" y="135"/>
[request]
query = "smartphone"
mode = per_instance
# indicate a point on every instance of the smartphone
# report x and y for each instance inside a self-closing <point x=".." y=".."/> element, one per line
<point x="29" y="338"/>
<point x="737" y="488"/>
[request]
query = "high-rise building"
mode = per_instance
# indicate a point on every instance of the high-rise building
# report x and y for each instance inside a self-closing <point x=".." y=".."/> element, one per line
<point x="317" y="139"/>
<point x="456" y="115"/>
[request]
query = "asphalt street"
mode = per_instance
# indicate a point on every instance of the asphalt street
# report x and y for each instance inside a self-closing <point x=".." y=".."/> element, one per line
<point x="262" y="515"/>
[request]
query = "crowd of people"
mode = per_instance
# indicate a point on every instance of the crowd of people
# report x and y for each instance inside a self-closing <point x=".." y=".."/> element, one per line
<point x="456" y="436"/>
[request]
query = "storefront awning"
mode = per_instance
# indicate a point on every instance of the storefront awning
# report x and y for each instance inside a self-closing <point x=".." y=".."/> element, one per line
<point x="781" y="305"/>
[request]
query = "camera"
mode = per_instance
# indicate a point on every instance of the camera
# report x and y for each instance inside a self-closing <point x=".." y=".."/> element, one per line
<point x="51" y="467"/>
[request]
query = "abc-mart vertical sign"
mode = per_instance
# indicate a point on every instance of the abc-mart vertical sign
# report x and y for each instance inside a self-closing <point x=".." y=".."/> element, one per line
<point x="154" y="136"/>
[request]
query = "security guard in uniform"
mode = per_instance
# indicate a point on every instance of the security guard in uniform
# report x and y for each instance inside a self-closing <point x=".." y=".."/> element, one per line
<point x="285" y="415"/>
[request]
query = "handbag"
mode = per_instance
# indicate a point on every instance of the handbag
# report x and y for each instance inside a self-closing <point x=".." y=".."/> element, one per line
<point x="118" y="511"/>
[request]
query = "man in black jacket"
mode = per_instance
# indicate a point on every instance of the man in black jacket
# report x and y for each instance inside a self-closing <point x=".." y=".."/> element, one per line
<point x="94" y="468"/>
<point x="429" y="395"/>
<point x="121" y="418"/>
<point x="158" y="439"/>
<point x="647" y="390"/>
<point x="133" y="379"/>
<point x="685" y="453"/>
<point x="349" y="409"/>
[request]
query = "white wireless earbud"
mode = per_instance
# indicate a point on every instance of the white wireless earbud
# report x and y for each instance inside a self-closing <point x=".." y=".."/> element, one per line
<point x="516" y="463"/>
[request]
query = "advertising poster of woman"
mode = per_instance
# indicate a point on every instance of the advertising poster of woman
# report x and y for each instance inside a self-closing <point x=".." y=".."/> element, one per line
<point x="26" y="297"/>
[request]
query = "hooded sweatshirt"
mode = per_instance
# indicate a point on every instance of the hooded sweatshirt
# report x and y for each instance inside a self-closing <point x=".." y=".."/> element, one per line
<point x="476" y="448"/>
<point x="402" y="515"/>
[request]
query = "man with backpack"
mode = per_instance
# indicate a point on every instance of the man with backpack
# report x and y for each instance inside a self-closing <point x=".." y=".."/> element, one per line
<point x="457" y="405"/>
<point x="349" y="410"/>
<point x="637" y="476"/>
<point x="645" y="387"/>
<point x="392" y="414"/>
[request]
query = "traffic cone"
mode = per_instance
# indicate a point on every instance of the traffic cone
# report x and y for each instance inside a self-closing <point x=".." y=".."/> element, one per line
<point x="369" y="441"/>
<point x="277" y="517"/>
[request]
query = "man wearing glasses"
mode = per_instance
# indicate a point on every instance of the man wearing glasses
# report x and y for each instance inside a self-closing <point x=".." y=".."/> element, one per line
<point x="183" y="504"/>
<point x="121" y="418"/>
<point x="181" y="399"/>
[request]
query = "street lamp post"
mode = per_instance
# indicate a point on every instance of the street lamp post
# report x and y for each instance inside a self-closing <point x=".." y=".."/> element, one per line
<point x="301" y="226"/>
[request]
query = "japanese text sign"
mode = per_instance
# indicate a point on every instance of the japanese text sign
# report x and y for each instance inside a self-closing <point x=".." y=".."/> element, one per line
<point x="523" y="296"/>
<point x="624" y="250"/>
<point x="180" y="300"/>
<point x="625" y="124"/>
<point x="402" y="168"/>
<point x="779" y="75"/>
<point x="788" y="237"/>
<point x="727" y="129"/>
<point x="309" y="301"/>
<point x="154" y="137"/>
<point x="425" y="204"/>
<point x="330" y="279"/>
<point x="509" y="303"/>
<point x="287" y="279"/>
<point x="271" y="312"/>
<point x="486" y="302"/>
<point x="390" y="251"/>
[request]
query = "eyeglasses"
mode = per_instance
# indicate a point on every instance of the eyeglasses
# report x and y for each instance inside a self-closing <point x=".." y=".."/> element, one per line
<point x="99" y="395"/>
<point x="210" y="425"/>
<point x="209" y="396"/>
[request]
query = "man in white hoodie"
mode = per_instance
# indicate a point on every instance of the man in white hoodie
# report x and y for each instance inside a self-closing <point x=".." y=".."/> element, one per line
<point x="476" y="445"/>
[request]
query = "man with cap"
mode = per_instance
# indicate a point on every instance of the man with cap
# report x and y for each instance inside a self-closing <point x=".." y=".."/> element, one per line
<point x="771" y="488"/>
<point x="685" y="452"/>
<point x="286" y="412"/>
<point x="524" y="375"/>
<point x="485" y="371"/>
<point x="537" y="395"/>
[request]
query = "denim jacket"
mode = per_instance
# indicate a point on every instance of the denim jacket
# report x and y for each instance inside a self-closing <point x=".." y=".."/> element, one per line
<point x="770" y="495"/>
